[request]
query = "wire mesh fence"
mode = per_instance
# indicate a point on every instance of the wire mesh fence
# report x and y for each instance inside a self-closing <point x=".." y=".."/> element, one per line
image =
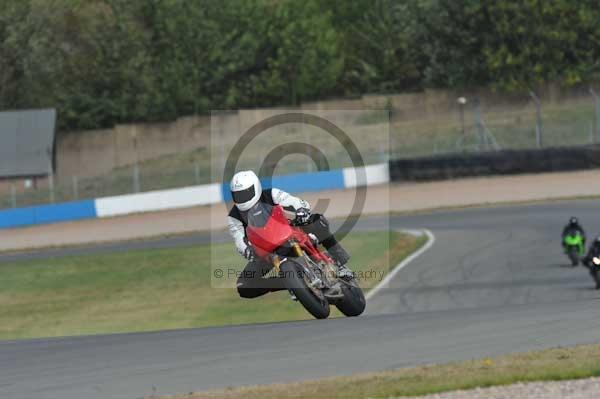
<point x="458" y="125"/>
<point x="474" y="126"/>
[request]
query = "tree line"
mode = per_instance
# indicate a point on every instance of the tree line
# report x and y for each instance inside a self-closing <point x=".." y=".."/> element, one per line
<point x="101" y="62"/>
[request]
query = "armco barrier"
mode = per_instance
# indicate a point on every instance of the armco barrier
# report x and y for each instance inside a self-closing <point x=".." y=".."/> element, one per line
<point x="374" y="174"/>
<point x="495" y="163"/>
<point x="186" y="197"/>
<point x="159" y="200"/>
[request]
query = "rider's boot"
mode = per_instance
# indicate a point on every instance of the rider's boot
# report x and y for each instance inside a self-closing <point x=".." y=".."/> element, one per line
<point x="341" y="257"/>
<point x="345" y="273"/>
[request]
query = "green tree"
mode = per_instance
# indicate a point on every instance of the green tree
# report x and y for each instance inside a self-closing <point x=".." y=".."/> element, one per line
<point x="305" y="61"/>
<point x="274" y="53"/>
<point x="377" y="41"/>
<point x="450" y="36"/>
<point x="102" y="62"/>
<point x="535" y="41"/>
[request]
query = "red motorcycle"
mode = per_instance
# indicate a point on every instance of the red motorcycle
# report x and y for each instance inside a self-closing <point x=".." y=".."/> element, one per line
<point x="309" y="273"/>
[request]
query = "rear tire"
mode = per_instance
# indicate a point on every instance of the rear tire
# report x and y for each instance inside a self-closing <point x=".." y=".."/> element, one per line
<point x="574" y="256"/>
<point x="318" y="306"/>
<point x="594" y="273"/>
<point x="354" y="302"/>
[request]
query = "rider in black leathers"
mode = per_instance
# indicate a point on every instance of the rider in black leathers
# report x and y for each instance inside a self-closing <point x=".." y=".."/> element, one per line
<point x="588" y="261"/>
<point x="572" y="228"/>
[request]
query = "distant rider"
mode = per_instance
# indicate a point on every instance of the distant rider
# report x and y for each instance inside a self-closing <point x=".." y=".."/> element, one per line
<point x="573" y="228"/>
<point x="588" y="261"/>
<point x="246" y="192"/>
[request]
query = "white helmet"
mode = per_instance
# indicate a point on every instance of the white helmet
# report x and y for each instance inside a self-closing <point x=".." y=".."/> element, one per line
<point x="245" y="189"/>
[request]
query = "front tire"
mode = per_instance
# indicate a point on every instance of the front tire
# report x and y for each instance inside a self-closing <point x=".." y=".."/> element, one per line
<point x="354" y="302"/>
<point x="313" y="300"/>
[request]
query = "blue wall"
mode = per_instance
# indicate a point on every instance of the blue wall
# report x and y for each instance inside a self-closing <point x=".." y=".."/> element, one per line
<point x="295" y="183"/>
<point x="47" y="214"/>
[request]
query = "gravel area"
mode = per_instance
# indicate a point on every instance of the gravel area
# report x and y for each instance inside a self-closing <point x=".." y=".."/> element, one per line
<point x="574" y="389"/>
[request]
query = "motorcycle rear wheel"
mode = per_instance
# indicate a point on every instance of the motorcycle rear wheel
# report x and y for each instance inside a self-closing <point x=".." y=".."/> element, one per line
<point x="574" y="256"/>
<point x="317" y="305"/>
<point x="594" y="273"/>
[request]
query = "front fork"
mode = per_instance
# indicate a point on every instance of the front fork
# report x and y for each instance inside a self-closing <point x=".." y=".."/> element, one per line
<point x="276" y="260"/>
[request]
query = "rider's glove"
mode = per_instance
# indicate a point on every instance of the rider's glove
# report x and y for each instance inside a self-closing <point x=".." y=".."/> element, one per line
<point x="302" y="215"/>
<point x="314" y="239"/>
<point x="249" y="253"/>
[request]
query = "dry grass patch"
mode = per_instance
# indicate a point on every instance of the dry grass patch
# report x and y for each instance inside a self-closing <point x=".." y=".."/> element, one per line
<point x="553" y="364"/>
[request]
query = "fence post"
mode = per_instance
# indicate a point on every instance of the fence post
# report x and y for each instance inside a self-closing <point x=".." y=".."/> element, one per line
<point x="75" y="188"/>
<point x="197" y="173"/>
<point x="538" y="123"/>
<point x="222" y="145"/>
<point x="136" y="168"/>
<point x="307" y="141"/>
<point x="481" y="139"/>
<point x="51" y="186"/>
<point x="393" y="143"/>
<point x="597" y="101"/>
<point x="13" y="195"/>
<point x="382" y="154"/>
<point x="136" y="178"/>
<point x="462" y="101"/>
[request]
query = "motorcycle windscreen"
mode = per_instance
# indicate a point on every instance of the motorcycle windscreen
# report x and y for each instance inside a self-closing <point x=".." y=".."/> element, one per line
<point x="259" y="214"/>
<point x="268" y="228"/>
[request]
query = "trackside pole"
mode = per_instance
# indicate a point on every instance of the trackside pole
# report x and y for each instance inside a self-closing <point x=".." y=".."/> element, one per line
<point x="13" y="195"/>
<point x="538" y="123"/>
<point x="597" y="101"/>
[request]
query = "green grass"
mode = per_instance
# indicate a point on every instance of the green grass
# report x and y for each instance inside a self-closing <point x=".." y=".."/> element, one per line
<point x="553" y="364"/>
<point x="154" y="289"/>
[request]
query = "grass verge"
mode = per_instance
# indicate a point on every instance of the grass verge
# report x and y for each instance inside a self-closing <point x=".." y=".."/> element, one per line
<point x="157" y="289"/>
<point x="552" y="364"/>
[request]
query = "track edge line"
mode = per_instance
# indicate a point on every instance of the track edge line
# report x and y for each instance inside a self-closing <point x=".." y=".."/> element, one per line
<point x="383" y="283"/>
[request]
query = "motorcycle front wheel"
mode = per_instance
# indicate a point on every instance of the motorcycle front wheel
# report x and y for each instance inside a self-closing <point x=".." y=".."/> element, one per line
<point x="354" y="302"/>
<point x="296" y="281"/>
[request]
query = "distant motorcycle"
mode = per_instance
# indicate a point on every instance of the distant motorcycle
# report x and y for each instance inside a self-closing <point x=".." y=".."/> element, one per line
<point x="574" y="247"/>
<point x="594" y="266"/>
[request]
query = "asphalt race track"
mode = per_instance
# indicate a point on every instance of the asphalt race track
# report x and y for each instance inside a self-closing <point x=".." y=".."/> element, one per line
<point x="495" y="281"/>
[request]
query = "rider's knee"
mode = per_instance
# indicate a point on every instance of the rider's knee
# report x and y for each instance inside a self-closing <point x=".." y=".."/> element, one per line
<point x="319" y="226"/>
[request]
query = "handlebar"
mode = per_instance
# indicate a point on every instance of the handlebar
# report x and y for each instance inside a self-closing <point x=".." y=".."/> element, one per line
<point x="296" y="223"/>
